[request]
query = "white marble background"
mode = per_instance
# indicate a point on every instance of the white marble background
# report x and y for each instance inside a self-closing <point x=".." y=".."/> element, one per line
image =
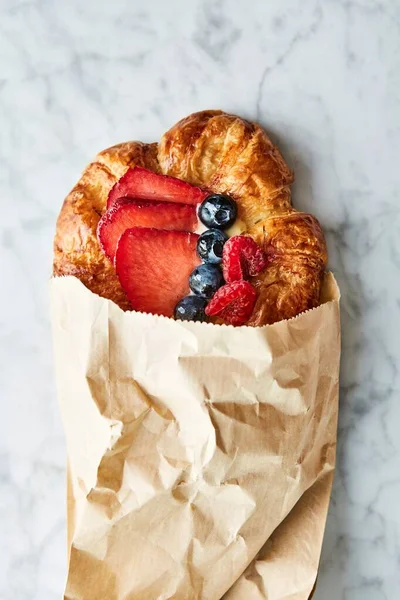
<point x="324" y="78"/>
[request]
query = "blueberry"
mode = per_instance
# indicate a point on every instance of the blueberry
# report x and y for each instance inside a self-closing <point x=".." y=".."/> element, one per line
<point x="205" y="280"/>
<point x="191" y="308"/>
<point x="218" y="211"/>
<point x="210" y="245"/>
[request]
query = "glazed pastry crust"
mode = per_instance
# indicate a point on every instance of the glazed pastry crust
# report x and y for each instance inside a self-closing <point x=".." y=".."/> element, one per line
<point x="223" y="153"/>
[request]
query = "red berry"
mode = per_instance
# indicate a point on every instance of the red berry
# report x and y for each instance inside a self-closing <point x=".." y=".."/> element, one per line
<point x="154" y="265"/>
<point x="125" y="215"/>
<point x="233" y="303"/>
<point x="141" y="184"/>
<point x="242" y="258"/>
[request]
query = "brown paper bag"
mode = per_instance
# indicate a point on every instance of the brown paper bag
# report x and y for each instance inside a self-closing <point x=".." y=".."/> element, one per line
<point x="200" y="456"/>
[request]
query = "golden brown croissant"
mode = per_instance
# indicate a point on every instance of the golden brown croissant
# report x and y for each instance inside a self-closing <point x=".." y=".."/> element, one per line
<point x="223" y="153"/>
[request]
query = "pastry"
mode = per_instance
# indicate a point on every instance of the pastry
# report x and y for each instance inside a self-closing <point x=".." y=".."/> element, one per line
<point x="273" y="262"/>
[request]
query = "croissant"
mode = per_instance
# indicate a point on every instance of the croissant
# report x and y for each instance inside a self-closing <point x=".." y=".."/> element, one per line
<point x="225" y="154"/>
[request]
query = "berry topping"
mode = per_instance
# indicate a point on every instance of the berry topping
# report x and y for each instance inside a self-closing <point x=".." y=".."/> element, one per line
<point x="191" y="308"/>
<point x="162" y="215"/>
<point x="141" y="184"/>
<point x="210" y="245"/>
<point x="205" y="280"/>
<point x="154" y="265"/>
<point x="242" y="258"/>
<point x="233" y="303"/>
<point x="218" y="211"/>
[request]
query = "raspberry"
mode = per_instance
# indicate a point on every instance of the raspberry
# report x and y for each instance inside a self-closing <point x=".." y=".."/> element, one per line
<point x="242" y="258"/>
<point x="233" y="303"/>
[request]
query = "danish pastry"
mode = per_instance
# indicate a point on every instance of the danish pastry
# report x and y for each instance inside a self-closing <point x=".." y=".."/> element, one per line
<point x="220" y="154"/>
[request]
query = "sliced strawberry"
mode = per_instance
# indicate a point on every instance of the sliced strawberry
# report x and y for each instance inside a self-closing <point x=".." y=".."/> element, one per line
<point x="241" y="258"/>
<point x="154" y="265"/>
<point x="160" y="215"/>
<point x="141" y="184"/>
<point x="233" y="303"/>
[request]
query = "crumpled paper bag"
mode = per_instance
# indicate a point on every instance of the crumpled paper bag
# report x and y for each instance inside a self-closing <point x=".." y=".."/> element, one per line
<point x="200" y="456"/>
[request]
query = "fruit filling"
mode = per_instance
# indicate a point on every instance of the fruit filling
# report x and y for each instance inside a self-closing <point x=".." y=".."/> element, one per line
<point x="154" y="265"/>
<point x="159" y="215"/>
<point x="141" y="184"/>
<point x="191" y="308"/>
<point x="210" y="245"/>
<point x="205" y="280"/>
<point x="164" y="267"/>
<point x="242" y="258"/>
<point x="218" y="211"/>
<point x="233" y="303"/>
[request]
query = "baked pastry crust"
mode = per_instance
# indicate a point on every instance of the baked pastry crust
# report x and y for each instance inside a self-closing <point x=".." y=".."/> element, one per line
<point x="223" y="153"/>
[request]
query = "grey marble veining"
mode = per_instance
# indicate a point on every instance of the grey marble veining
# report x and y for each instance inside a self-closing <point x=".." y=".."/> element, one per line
<point x="324" y="79"/>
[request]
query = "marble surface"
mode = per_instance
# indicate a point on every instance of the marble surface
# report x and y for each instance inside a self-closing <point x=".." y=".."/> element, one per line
<point x="324" y="78"/>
